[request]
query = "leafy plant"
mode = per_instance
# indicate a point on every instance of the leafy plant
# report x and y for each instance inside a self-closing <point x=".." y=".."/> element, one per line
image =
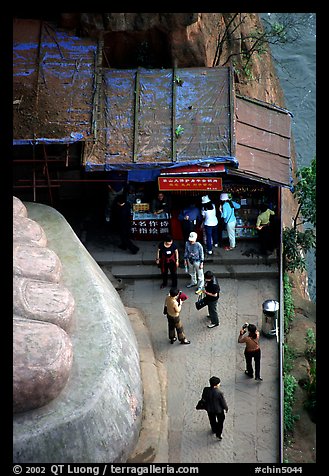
<point x="310" y="351"/>
<point x="179" y="131"/>
<point x="288" y="302"/>
<point x="290" y="384"/>
<point x="289" y="357"/>
<point x="297" y="243"/>
<point x="178" y="81"/>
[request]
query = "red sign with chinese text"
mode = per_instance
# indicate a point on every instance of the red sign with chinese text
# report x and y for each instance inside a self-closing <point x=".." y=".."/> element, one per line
<point x="167" y="184"/>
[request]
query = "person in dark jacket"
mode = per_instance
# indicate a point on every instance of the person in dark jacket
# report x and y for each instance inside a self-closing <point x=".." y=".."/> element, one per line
<point x="215" y="406"/>
<point x="211" y="291"/>
<point x="167" y="259"/>
<point x="123" y="214"/>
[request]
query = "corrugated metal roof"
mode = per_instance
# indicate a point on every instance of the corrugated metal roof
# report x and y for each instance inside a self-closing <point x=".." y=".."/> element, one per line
<point x="263" y="134"/>
<point x="53" y="83"/>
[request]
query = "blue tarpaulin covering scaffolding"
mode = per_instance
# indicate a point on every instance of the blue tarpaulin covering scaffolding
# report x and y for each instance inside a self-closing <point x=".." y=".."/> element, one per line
<point x="140" y="120"/>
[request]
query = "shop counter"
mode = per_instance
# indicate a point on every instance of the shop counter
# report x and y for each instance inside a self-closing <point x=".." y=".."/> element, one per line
<point x="149" y="226"/>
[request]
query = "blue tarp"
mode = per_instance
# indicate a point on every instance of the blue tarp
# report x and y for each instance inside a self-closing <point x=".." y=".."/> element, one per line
<point x="147" y="172"/>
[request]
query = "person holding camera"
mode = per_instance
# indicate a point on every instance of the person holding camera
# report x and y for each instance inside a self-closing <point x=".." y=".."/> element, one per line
<point x="252" y="350"/>
<point x="172" y="308"/>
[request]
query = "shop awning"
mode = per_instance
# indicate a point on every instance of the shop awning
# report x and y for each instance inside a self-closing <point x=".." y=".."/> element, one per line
<point x="194" y="169"/>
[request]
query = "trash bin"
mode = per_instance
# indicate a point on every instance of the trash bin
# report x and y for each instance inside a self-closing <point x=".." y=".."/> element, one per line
<point x="270" y="317"/>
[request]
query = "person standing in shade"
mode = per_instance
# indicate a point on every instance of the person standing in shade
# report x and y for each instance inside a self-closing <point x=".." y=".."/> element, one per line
<point x="193" y="261"/>
<point x="226" y="209"/>
<point x="114" y="188"/>
<point x="215" y="406"/>
<point x="252" y="350"/>
<point x="172" y="308"/>
<point x="123" y="214"/>
<point x="264" y="228"/>
<point x="168" y="260"/>
<point x="211" y="291"/>
<point x="189" y="217"/>
<point x="161" y="204"/>
<point x="210" y="223"/>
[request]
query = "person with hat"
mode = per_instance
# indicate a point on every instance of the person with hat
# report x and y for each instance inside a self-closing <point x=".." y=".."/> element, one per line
<point x="210" y="223"/>
<point x="215" y="406"/>
<point x="193" y="261"/>
<point x="167" y="259"/>
<point x="226" y="208"/>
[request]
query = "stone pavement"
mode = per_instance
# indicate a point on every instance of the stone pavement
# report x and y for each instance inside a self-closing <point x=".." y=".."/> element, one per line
<point x="174" y="375"/>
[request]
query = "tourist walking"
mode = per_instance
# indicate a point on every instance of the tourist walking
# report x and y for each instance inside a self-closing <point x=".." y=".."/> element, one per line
<point x="168" y="261"/>
<point x="211" y="291"/>
<point x="215" y="406"/>
<point x="193" y="261"/>
<point x="172" y="308"/>
<point x="210" y="223"/>
<point x="252" y="350"/>
<point x="226" y="209"/>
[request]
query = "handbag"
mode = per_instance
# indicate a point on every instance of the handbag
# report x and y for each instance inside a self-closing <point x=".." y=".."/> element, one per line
<point x="201" y="302"/>
<point x="165" y="310"/>
<point x="201" y="405"/>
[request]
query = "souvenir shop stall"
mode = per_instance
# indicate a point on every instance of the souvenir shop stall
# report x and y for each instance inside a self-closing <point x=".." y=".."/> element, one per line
<point x="182" y="192"/>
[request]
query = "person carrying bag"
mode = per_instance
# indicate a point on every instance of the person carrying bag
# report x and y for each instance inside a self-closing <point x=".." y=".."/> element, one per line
<point x="213" y="401"/>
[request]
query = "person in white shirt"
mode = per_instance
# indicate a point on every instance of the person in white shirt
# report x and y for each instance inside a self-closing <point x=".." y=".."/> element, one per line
<point x="210" y="223"/>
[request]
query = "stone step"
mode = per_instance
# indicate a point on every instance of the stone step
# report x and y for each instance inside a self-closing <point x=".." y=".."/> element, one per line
<point x="226" y="270"/>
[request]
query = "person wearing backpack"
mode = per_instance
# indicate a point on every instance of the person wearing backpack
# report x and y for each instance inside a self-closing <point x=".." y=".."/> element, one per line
<point x="226" y="209"/>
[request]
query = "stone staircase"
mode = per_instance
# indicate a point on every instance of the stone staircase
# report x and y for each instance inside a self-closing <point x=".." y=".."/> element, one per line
<point x="244" y="262"/>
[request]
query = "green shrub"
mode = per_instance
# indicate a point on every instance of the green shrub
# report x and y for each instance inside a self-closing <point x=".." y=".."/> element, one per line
<point x="290" y="384"/>
<point x="289" y="356"/>
<point x="289" y="308"/>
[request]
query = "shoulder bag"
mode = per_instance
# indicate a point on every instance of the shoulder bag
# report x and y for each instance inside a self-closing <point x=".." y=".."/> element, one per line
<point x="201" y="405"/>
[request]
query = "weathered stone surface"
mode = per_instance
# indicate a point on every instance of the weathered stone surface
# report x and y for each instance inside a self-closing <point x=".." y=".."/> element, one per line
<point x="36" y="263"/>
<point x="19" y="209"/>
<point x="40" y="300"/>
<point x="42" y="356"/>
<point x="97" y="416"/>
<point x="28" y="231"/>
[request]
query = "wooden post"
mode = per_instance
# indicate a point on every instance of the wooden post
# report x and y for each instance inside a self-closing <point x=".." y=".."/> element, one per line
<point x="173" y="117"/>
<point x="135" y="142"/>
